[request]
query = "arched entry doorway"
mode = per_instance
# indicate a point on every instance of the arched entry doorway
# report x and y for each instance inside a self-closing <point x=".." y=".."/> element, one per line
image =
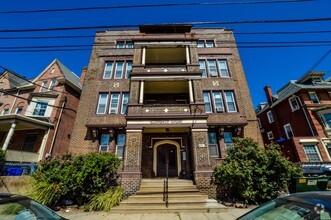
<point x="166" y="150"/>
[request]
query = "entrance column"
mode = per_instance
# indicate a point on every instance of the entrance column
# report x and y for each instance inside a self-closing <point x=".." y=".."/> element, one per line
<point x="201" y="161"/>
<point x="9" y="136"/>
<point x="131" y="174"/>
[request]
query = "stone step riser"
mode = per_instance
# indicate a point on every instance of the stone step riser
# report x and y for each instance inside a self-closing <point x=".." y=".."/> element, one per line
<point x="160" y="200"/>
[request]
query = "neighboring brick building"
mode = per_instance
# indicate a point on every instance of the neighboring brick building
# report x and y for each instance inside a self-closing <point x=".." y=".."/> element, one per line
<point x="298" y="117"/>
<point x="164" y="93"/>
<point x="37" y="116"/>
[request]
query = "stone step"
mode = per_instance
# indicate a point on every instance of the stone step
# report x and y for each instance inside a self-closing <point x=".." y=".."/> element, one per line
<point x="156" y="200"/>
<point x="172" y="195"/>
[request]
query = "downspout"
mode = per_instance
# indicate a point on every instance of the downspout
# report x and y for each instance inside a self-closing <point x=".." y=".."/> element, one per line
<point x="12" y="106"/>
<point x="304" y="112"/>
<point x="57" y="125"/>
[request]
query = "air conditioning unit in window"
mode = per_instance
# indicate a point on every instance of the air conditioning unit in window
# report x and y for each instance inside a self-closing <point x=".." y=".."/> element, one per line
<point x="219" y="110"/>
<point x="213" y="74"/>
<point x="103" y="148"/>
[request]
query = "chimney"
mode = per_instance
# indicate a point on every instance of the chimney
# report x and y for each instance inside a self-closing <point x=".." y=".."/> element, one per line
<point x="82" y="75"/>
<point x="268" y="94"/>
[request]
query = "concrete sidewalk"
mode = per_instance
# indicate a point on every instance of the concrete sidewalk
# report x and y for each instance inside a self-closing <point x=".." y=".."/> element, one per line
<point x="227" y="214"/>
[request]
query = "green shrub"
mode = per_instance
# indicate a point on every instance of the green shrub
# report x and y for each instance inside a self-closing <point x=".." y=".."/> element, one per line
<point x="74" y="178"/>
<point x="252" y="174"/>
<point x="2" y="157"/>
<point x="105" y="201"/>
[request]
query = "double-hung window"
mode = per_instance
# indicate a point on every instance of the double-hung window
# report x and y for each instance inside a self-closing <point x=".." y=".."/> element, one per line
<point x="19" y="109"/>
<point x="228" y="141"/>
<point x="327" y="119"/>
<point x="5" y="111"/>
<point x="29" y="142"/>
<point x="120" y="143"/>
<point x="270" y="117"/>
<point x="230" y="102"/>
<point x="40" y="108"/>
<point x="128" y="69"/>
<point x="312" y="153"/>
<point x="314" y="98"/>
<point x="205" y="43"/>
<point x="102" y="105"/>
<point x="288" y="131"/>
<point x="43" y="86"/>
<point x="125" y="101"/>
<point x="203" y="68"/>
<point x="213" y="146"/>
<point x="212" y="68"/>
<point x="108" y="70"/>
<point x="104" y="143"/>
<point x="114" y="101"/>
<point x="124" y="44"/>
<point x="223" y="68"/>
<point x="294" y="103"/>
<point x="218" y="100"/>
<point x="52" y="84"/>
<point x="270" y="135"/>
<point x="208" y="107"/>
<point x="119" y="70"/>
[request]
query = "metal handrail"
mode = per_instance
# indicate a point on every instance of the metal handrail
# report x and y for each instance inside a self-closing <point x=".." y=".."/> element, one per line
<point x="166" y="186"/>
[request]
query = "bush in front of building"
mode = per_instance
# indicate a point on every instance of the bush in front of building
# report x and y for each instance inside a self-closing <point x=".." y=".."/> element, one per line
<point x="75" y="179"/>
<point x="254" y="175"/>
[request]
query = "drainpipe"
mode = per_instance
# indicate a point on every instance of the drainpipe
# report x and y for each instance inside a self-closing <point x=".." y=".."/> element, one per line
<point x="57" y="125"/>
<point x="304" y="112"/>
<point x="12" y="106"/>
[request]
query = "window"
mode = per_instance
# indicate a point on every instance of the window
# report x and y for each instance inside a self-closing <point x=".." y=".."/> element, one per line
<point x="270" y="135"/>
<point x="124" y="44"/>
<point x="52" y="84"/>
<point x="328" y="146"/>
<point x="228" y="140"/>
<point x="216" y="68"/>
<point x="108" y="70"/>
<point x="312" y="153"/>
<point x="102" y="105"/>
<point x="114" y="100"/>
<point x="213" y="147"/>
<point x="270" y="117"/>
<point x="120" y="143"/>
<point x="294" y="103"/>
<point x="223" y="68"/>
<point x="327" y="119"/>
<point x="216" y="104"/>
<point x="19" y="110"/>
<point x="114" y="106"/>
<point x="206" y="98"/>
<point x="218" y="100"/>
<point x="203" y="68"/>
<point x="117" y="69"/>
<point x="43" y="86"/>
<point x="288" y="131"/>
<point x="230" y="103"/>
<point x="128" y="69"/>
<point x="259" y="121"/>
<point x="314" y="98"/>
<point x="5" y="111"/>
<point x="104" y="143"/>
<point x="29" y="142"/>
<point x="40" y="108"/>
<point x="205" y="43"/>
<point x="125" y="101"/>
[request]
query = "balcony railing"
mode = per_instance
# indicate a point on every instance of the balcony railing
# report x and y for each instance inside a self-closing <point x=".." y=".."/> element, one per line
<point x="158" y="109"/>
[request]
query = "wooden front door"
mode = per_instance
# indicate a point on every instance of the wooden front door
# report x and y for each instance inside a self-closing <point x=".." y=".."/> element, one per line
<point x="167" y="153"/>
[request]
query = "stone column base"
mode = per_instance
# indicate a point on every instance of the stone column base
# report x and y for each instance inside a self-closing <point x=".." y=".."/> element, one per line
<point x="204" y="183"/>
<point x="130" y="181"/>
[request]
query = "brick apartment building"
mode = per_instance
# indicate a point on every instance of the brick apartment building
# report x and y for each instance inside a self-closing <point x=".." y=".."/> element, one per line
<point x="298" y="117"/>
<point x="164" y="93"/>
<point x="37" y="115"/>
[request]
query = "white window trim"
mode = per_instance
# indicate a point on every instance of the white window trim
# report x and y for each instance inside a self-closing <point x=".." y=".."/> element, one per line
<point x="316" y="148"/>
<point x="117" y="104"/>
<point x="122" y="69"/>
<point x="52" y="83"/>
<point x="270" y="135"/>
<point x="234" y="101"/>
<point x="210" y="103"/>
<point x="216" y="108"/>
<point x="290" y="101"/>
<point x="270" y="119"/>
<point x="30" y="109"/>
<point x="122" y="104"/>
<point x="288" y="125"/>
<point x="318" y="101"/>
<point x="99" y="104"/>
<point x="216" y="145"/>
<point x="43" y="86"/>
<point x="111" y="70"/>
<point x="226" y="68"/>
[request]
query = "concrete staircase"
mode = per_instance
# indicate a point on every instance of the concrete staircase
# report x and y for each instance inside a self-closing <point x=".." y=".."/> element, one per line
<point x="183" y="197"/>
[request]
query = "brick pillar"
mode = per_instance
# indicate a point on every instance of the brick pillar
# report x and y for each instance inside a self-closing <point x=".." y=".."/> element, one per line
<point x="201" y="162"/>
<point x="130" y="177"/>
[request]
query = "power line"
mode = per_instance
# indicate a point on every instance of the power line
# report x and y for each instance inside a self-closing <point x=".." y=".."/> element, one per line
<point x="153" y="5"/>
<point x="320" y="60"/>
<point x="179" y="23"/>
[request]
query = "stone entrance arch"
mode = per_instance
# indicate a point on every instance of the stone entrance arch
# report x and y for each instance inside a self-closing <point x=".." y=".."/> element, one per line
<point x="170" y="142"/>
